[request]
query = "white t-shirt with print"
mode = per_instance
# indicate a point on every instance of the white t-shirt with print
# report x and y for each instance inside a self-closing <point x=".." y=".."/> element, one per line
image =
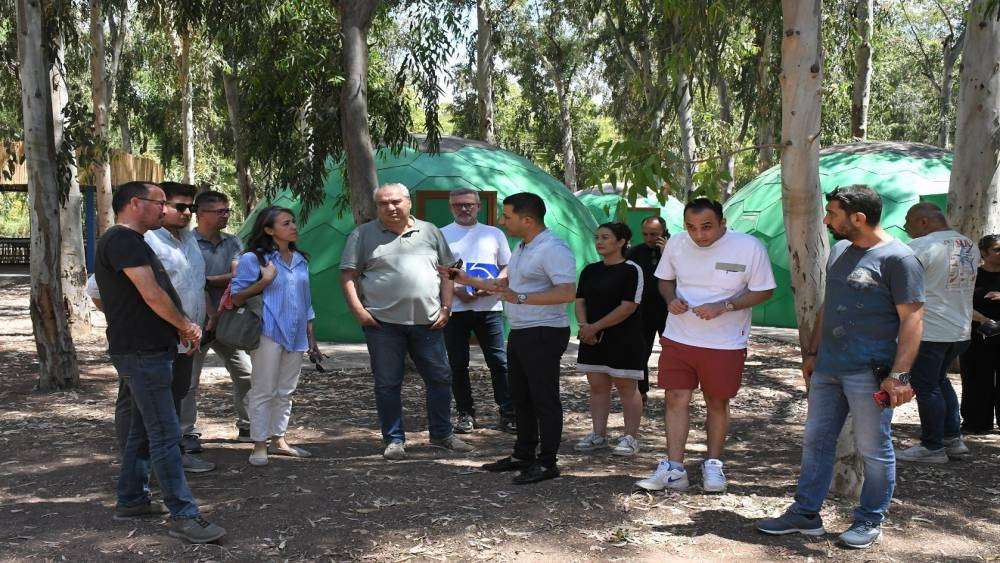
<point x="715" y="273"/>
<point x="484" y="250"/>
<point x="950" y="261"/>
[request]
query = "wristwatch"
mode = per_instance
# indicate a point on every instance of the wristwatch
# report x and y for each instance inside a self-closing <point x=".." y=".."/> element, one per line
<point x="730" y="306"/>
<point x="521" y="298"/>
<point x="902" y="376"/>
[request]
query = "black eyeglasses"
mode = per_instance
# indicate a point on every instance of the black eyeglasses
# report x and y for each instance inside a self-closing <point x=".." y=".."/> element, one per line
<point x="464" y="205"/>
<point x="223" y="211"/>
<point x="159" y="202"/>
<point x="182" y="207"/>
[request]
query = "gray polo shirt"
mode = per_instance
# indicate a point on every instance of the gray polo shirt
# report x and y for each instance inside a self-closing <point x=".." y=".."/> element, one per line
<point x="219" y="259"/>
<point x="399" y="281"/>
<point x="535" y="267"/>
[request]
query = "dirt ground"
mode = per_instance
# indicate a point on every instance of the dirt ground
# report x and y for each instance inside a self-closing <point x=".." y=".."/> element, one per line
<point x="58" y="473"/>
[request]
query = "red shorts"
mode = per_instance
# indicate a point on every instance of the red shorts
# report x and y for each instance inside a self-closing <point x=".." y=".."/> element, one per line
<point x="719" y="372"/>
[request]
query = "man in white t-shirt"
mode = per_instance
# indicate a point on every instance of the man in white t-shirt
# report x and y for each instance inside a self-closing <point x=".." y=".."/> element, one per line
<point x="485" y="253"/>
<point x="710" y="277"/>
<point x="950" y="261"/>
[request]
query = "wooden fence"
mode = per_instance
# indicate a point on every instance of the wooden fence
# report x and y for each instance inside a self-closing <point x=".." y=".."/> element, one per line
<point x="124" y="168"/>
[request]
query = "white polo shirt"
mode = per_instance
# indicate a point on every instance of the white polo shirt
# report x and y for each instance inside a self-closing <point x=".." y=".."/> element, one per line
<point x="536" y="267"/>
<point x="711" y="274"/>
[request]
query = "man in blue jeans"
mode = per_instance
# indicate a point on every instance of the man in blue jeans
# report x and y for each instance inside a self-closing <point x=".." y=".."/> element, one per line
<point x="392" y="287"/>
<point x="870" y="323"/>
<point x="950" y="261"/>
<point x="145" y="318"/>
<point x="485" y="253"/>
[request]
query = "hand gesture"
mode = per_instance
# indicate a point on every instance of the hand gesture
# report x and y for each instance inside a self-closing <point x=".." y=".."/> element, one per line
<point x="899" y="393"/>
<point x="366" y="319"/>
<point x="464" y="296"/>
<point x="677" y="307"/>
<point x="587" y="334"/>
<point x="709" y="311"/>
<point x="661" y="243"/>
<point x="268" y="272"/>
<point x="191" y="331"/>
<point x="444" y="314"/>
<point x="993" y="296"/>
<point x="808" y="367"/>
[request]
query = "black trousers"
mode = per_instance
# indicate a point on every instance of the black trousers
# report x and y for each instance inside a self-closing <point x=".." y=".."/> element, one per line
<point x="981" y="384"/>
<point x="533" y="356"/>
<point x="179" y="386"/>
<point x="652" y="327"/>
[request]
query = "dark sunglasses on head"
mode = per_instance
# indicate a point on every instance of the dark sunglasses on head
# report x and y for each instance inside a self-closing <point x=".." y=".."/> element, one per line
<point x="182" y="207"/>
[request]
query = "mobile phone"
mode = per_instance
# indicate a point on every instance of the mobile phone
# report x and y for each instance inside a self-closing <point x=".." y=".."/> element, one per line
<point x="456" y="266"/>
<point x="882" y="399"/>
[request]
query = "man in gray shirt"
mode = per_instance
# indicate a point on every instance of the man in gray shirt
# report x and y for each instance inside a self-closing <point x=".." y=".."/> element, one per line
<point x="541" y="281"/>
<point x="219" y="250"/>
<point x="391" y="284"/>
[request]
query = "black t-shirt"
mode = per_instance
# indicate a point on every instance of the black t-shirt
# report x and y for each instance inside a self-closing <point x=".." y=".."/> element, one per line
<point x="132" y="324"/>
<point x="603" y="288"/>
<point x="985" y="283"/>
<point x="653" y="307"/>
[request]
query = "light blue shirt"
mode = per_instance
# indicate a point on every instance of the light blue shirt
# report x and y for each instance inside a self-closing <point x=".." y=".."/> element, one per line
<point x="536" y="267"/>
<point x="287" y="301"/>
<point x="184" y="264"/>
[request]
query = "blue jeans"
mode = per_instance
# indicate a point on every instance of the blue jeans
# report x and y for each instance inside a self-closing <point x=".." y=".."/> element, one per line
<point x="831" y="398"/>
<point x="388" y="346"/>
<point x="154" y="434"/>
<point x="488" y="328"/>
<point x="937" y="402"/>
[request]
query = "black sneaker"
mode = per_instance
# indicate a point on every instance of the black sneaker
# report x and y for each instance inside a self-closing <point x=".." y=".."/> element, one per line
<point x="536" y="473"/>
<point x="149" y="509"/>
<point x="507" y="464"/>
<point x="792" y="523"/>
<point x="195" y="530"/>
<point x="191" y="443"/>
<point x="465" y="424"/>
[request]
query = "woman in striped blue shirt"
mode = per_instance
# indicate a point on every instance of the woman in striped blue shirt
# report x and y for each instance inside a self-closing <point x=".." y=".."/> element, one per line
<point x="273" y="266"/>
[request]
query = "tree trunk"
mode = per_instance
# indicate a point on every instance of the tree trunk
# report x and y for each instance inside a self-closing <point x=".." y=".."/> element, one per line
<point x="56" y="353"/>
<point x="688" y="143"/>
<point x="74" y="263"/>
<point x="187" y="110"/>
<point x="232" y="87"/>
<point x="849" y="467"/>
<point x="862" y="70"/>
<point x="765" y="113"/>
<point x="952" y="49"/>
<point x="484" y="70"/>
<point x="119" y="29"/>
<point x="569" y="157"/>
<point x="973" y="202"/>
<point x="123" y="127"/>
<point x="728" y="160"/>
<point x="356" y="18"/>
<point x="101" y="169"/>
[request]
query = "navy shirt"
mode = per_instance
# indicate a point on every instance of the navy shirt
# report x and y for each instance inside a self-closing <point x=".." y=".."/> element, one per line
<point x="860" y="321"/>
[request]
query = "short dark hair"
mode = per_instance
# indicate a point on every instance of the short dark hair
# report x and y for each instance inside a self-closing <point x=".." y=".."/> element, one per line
<point x="702" y="204"/>
<point x="463" y="191"/>
<point x="125" y="192"/>
<point x="987" y="241"/>
<point x="657" y="219"/>
<point x="177" y="189"/>
<point x="527" y="203"/>
<point x="210" y="196"/>
<point x="859" y="198"/>
<point x="620" y="230"/>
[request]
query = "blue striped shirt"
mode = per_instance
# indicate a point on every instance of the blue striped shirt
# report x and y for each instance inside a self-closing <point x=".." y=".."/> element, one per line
<point x="287" y="301"/>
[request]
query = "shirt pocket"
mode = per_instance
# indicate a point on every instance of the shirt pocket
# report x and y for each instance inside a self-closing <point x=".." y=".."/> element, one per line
<point x="730" y="276"/>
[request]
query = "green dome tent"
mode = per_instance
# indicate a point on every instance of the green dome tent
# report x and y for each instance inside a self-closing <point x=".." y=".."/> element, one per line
<point x="603" y="203"/>
<point x="902" y="173"/>
<point x="460" y="163"/>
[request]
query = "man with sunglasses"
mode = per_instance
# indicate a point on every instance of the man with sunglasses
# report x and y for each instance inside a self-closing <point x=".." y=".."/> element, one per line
<point x="178" y="251"/>
<point x="220" y="250"/>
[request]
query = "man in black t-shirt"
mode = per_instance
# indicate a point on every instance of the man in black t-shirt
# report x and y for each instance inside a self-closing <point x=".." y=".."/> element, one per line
<point x="145" y="322"/>
<point x="653" y="307"/>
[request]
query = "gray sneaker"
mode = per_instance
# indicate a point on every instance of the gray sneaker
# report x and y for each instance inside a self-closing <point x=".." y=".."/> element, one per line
<point x="193" y="464"/>
<point x="861" y="535"/>
<point x="394" y="451"/>
<point x="191" y="443"/>
<point x="466" y="424"/>
<point x="195" y="530"/>
<point x="792" y="523"/>
<point x="955" y="447"/>
<point x="146" y="510"/>
<point x="453" y="443"/>
<point x="920" y="454"/>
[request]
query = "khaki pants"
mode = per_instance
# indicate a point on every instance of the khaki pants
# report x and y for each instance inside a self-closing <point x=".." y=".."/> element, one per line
<point x="274" y="377"/>
<point x="238" y="365"/>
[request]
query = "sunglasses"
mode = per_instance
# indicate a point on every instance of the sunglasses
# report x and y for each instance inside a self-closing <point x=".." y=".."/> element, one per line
<point x="182" y="207"/>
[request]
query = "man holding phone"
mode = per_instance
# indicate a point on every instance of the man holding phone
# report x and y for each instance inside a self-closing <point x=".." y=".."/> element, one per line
<point x="392" y="287"/>
<point x="870" y="323"/>
<point x="654" y="309"/>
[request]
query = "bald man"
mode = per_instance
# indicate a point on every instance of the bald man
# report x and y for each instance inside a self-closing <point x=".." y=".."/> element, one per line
<point x="950" y="261"/>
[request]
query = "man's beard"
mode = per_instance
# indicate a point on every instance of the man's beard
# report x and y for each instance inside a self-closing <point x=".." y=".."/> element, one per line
<point x="837" y="235"/>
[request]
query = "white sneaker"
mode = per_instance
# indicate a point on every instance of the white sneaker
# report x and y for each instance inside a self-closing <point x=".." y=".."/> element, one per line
<point x="713" y="480"/>
<point x="591" y="442"/>
<point x="955" y="447"/>
<point x="920" y="454"/>
<point x="665" y="478"/>
<point x="627" y="445"/>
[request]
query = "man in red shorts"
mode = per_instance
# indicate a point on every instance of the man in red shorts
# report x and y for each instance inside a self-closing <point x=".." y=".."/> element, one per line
<point x="710" y="277"/>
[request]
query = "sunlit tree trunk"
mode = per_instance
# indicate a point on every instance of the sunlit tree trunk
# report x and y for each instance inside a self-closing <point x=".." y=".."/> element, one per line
<point x="230" y="84"/>
<point x="952" y="50"/>
<point x="689" y="146"/>
<point x="356" y="19"/>
<point x="728" y="160"/>
<point x="973" y="198"/>
<point x="101" y="169"/>
<point x="49" y="318"/>
<point x="187" y="108"/>
<point x="484" y="70"/>
<point x="765" y="113"/>
<point x="862" y="70"/>
<point x="569" y="157"/>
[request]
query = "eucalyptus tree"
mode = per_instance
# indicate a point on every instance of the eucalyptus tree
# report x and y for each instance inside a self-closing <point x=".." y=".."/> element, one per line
<point x="861" y="92"/>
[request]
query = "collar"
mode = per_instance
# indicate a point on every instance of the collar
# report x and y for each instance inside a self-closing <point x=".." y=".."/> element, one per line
<point x="411" y="226"/>
<point x="223" y="236"/>
<point x="275" y="256"/>
<point x="540" y="237"/>
<point x="164" y="234"/>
